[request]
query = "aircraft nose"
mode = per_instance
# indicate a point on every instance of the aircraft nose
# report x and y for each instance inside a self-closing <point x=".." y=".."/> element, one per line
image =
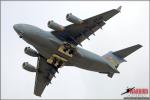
<point x="17" y="28"/>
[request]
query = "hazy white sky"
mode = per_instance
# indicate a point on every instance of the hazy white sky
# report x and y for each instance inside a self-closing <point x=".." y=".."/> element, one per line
<point x="127" y="28"/>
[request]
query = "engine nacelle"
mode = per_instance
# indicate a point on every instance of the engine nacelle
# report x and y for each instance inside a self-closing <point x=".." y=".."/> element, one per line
<point x="28" y="67"/>
<point x="53" y="25"/>
<point x="31" y="52"/>
<point x="73" y="19"/>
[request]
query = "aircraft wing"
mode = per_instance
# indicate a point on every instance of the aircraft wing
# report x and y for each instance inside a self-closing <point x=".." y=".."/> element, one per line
<point x="76" y="33"/>
<point x="44" y="75"/>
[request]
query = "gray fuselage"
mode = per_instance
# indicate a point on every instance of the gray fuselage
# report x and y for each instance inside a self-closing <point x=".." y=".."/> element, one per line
<point x="47" y="44"/>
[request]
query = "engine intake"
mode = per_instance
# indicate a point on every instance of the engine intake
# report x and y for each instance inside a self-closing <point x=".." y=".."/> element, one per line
<point x="71" y="18"/>
<point x="31" y="52"/>
<point x="28" y="67"/>
<point x="53" y="25"/>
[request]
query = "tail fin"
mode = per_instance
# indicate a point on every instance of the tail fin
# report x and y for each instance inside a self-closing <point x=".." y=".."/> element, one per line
<point x="115" y="58"/>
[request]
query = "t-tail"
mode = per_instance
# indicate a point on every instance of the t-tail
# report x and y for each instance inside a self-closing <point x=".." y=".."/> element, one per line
<point x="115" y="58"/>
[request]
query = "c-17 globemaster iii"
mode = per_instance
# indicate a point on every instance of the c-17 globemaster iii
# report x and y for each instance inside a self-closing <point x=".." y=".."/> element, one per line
<point x="60" y="48"/>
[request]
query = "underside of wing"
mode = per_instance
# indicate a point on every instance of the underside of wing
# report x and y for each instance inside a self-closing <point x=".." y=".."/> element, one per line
<point x="44" y="74"/>
<point x="78" y="32"/>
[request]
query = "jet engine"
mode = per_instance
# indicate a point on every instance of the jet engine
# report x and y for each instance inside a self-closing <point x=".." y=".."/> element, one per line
<point x="71" y="18"/>
<point x="31" y="52"/>
<point x="55" y="26"/>
<point x="28" y="67"/>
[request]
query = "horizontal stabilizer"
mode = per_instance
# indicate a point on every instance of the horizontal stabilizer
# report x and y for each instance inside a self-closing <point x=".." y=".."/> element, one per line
<point x="114" y="59"/>
<point x="127" y="51"/>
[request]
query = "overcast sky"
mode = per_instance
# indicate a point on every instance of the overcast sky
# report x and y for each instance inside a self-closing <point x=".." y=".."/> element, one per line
<point x="127" y="28"/>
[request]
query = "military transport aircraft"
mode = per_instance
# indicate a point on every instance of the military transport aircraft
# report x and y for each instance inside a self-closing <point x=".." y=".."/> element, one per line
<point x="60" y="48"/>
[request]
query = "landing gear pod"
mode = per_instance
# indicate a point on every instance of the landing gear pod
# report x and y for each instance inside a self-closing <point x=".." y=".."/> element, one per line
<point x="67" y="49"/>
<point x="73" y="19"/>
<point x="53" y="25"/>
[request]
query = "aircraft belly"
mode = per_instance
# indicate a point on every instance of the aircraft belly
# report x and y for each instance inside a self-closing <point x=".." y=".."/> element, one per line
<point x="82" y="58"/>
<point x="90" y="61"/>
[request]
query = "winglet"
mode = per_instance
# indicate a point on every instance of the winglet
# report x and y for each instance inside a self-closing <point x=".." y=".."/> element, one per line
<point x="119" y="8"/>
